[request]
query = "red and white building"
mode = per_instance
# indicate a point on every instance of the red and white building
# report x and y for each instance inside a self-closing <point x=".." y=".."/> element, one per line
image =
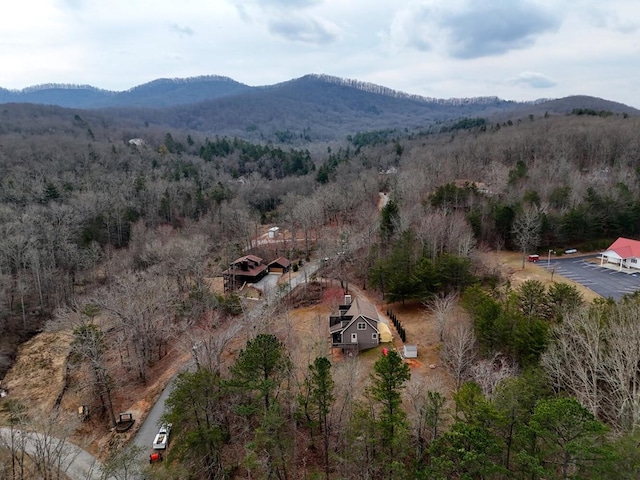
<point x="624" y="252"/>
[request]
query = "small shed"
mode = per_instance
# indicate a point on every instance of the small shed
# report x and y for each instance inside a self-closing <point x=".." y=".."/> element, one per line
<point x="280" y="265"/>
<point x="410" y="351"/>
<point x="273" y="232"/>
<point x="385" y="332"/>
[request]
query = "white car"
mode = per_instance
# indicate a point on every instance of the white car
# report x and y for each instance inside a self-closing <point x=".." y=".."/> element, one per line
<point x="162" y="437"/>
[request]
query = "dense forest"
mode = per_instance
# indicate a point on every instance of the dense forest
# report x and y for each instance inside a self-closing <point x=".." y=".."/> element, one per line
<point x="101" y="219"/>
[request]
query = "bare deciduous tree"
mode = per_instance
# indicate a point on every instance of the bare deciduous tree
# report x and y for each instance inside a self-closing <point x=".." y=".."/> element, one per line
<point x="50" y="448"/>
<point x="89" y="349"/>
<point x="125" y="463"/>
<point x="345" y="375"/>
<point x="459" y="352"/>
<point x="207" y="345"/>
<point x="427" y="398"/>
<point x="526" y="230"/>
<point x="576" y="357"/>
<point x="141" y="303"/>
<point x="442" y="306"/>
<point x="623" y="358"/>
<point x="308" y="215"/>
<point x="594" y="355"/>
<point x="14" y="440"/>
<point x="489" y="372"/>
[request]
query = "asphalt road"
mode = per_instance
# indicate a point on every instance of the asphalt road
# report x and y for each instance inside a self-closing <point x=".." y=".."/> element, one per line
<point x="149" y="428"/>
<point x="605" y="281"/>
<point x="78" y="464"/>
<point x="269" y="286"/>
<point x="81" y="465"/>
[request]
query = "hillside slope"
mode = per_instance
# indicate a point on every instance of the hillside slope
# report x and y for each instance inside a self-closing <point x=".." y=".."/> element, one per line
<point x="306" y="109"/>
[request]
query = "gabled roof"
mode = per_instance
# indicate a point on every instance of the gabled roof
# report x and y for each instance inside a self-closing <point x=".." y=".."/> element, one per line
<point x="625" y="247"/>
<point x="359" y="309"/>
<point x="283" y="262"/>
<point x="249" y="272"/>
<point x="254" y="267"/>
<point x="253" y="258"/>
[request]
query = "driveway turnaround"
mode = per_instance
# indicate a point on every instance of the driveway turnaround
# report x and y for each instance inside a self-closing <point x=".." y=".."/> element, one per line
<point x="586" y="270"/>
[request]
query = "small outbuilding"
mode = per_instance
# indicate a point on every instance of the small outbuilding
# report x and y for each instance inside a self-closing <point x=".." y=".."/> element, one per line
<point x="410" y="351"/>
<point x="279" y="265"/>
<point x="385" y="333"/>
<point x="273" y="232"/>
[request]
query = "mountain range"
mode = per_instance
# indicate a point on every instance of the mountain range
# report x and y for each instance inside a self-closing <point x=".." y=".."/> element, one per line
<point x="317" y="106"/>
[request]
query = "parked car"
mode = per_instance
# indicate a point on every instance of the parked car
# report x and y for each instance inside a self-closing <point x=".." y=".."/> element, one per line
<point x="571" y="250"/>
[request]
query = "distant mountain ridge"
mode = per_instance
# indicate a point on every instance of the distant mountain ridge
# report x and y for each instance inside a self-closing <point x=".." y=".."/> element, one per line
<point x="188" y="90"/>
<point x="380" y="90"/>
<point x="158" y="93"/>
<point x="309" y="108"/>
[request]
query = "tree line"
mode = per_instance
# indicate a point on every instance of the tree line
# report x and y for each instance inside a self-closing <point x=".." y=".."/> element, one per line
<point x="266" y="418"/>
<point x="83" y="212"/>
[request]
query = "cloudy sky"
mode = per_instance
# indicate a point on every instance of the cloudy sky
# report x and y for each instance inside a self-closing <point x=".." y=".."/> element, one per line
<point x="514" y="49"/>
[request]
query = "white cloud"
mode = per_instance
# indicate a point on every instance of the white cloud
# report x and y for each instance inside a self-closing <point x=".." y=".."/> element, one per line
<point x="288" y="4"/>
<point x="533" y="79"/>
<point x="612" y="21"/>
<point x="305" y="29"/>
<point x="182" y="31"/>
<point x="254" y="10"/>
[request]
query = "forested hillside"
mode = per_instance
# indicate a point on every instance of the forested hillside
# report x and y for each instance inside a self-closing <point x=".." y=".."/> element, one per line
<point x="308" y="109"/>
<point x="103" y="236"/>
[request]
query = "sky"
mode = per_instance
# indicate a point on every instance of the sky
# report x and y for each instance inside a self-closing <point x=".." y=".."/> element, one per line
<point x="513" y="49"/>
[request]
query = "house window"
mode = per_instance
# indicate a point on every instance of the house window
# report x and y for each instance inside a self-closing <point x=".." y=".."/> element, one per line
<point x="362" y="326"/>
<point x="634" y="260"/>
<point x="374" y="336"/>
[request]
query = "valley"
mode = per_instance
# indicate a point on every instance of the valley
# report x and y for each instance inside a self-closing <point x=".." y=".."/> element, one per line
<point x="120" y="261"/>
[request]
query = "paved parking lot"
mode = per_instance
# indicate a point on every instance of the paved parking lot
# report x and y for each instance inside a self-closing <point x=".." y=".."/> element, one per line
<point x="604" y="281"/>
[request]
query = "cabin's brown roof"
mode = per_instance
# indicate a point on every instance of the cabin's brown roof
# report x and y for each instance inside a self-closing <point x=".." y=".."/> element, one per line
<point x="251" y="271"/>
<point x="253" y="258"/>
<point x="283" y="262"/>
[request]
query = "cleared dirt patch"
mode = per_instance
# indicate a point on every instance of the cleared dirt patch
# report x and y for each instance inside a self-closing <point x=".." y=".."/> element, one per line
<point x="38" y="378"/>
<point x="311" y="327"/>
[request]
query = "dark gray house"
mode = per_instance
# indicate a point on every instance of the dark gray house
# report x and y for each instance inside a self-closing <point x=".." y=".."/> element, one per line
<point x="355" y="328"/>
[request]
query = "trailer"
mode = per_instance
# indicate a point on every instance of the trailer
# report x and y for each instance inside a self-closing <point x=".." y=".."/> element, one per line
<point x="125" y="422"/>
<point x="162" y="437"/>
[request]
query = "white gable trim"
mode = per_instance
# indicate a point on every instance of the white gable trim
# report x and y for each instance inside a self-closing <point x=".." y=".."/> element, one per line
<point x="612" y="254"/>
<point x="370" y="321"/>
